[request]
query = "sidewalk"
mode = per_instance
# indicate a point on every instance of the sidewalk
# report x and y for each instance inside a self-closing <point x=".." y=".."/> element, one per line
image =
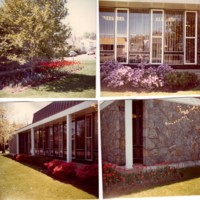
<point x="20" y="182"/>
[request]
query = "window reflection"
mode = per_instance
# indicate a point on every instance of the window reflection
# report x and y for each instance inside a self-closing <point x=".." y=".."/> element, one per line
<point x="139" y="36"/>
<point x="107" y="34"/>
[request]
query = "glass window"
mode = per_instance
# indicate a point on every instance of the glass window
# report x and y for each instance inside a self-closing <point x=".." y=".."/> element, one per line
<point x="173" y="37"/>
<point x="64" y="139"/>
<point x="73" y="140"/>
<point x="107" y="34"/>
<point x="55" y="140"/>
<point x="190" y="37"/>
<point x="122" y="44"/>
<point x="80" y="139"/>
<point x="157" y="36"/>
<point x="60" y="139"/>
<point x="139" y="31"/>
<point x="89" y="131"/>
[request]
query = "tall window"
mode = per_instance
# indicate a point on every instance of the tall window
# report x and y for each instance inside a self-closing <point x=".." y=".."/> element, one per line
<point x="80" y="139"/>
<point x="157" y="36"/>
<point x="73" y="136"/>
<point x="139" y="29"/>
<point x="88" y="136"/>
<point x="107" y="34"/>
<point x="60" y="139"/>
<point x="190" y="37"/>
<point x="173" y="37"/>
<point x="64" y="139"/>
<point x="55" y="140"/>
<point x="121" y="35"/>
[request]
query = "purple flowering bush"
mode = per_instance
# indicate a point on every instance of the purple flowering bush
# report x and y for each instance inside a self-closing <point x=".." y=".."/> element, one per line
<point x="114" y="75"/>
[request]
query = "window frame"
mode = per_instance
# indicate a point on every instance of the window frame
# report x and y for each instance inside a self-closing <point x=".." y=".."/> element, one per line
<point x="127" y="35"/>
<point x="189" y="37"/>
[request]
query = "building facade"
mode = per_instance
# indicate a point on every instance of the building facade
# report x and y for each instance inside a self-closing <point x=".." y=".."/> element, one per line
<point x="150" y="132"/>
<point x="65" y="130"/>
<point x="151" y="31"/>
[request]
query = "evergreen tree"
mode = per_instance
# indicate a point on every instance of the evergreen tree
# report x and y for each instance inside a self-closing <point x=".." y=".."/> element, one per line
<point x="32" y="30"/>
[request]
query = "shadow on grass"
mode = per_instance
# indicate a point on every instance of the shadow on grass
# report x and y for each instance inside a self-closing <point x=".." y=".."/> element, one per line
<point x="91" y="189"/>
<point x="72" y="82"/>
<point x="189" y="174"/>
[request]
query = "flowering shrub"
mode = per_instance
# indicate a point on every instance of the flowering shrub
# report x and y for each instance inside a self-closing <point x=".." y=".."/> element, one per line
<point x="115" y="75"/>
<point x="21" y="157"/>
<point x="58" y="64"/>
<point x="52" y="164"/>
<point x="64" y="171"/>
<point x="111" y="175"/>
<point x="88" y="173"/>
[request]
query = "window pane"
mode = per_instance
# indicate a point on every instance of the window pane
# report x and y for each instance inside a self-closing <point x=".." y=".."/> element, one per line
<point x="139" y="36"/>
<point x="121" y="35"/>
<point x="190" y="24"/>
<point x="80" y="139"/>
<point x="190" y="50"/>
<point x="156" y="50"/>
<point x="88" y="124"/>
<point x="89" y="149"/>
<point x="55" y="140"/>
<point x="157" y="23"/>
<point x="107" y="34"/>
<point x="64" y="139"/>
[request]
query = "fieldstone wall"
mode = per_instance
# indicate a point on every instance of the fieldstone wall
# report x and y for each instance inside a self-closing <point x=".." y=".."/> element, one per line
<point x="12" y="144"/>
<point x="113" y="133"/>
<point x="171" y="132"/>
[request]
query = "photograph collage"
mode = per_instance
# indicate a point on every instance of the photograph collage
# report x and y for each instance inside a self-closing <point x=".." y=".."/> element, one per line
<point x="99" y="99"/>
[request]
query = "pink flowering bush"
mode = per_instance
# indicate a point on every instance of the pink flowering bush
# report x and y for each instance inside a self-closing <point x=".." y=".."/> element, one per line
<point x="64" y="171"/>
<point x="21" y="157"/>
<point x="52" y="164"/>
<point x="114" y="75"/>
<point x="88" y="173"/>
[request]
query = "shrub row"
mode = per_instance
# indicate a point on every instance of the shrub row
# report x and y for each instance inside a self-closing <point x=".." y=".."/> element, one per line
<point x="115" y="75"/>
<point x="62" y="170"/>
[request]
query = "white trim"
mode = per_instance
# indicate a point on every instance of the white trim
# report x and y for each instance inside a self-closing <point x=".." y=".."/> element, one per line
<point x="189" y="37"/>
<point x="106" y="104"/>
<point x="69" y="141"/>
<point x="32" y="142"/>
<point x="127" y="35"/>
<point x="76" y="108"/>
<point x="128" y="135"/>
<point x="161" y="37"/>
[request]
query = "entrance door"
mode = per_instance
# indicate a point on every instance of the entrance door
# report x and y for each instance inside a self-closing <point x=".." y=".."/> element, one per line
<point x="137" y="117"/>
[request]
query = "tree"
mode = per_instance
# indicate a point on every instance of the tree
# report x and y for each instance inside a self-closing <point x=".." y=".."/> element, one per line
<point x="91" y="35"/>
<point x="5" y="128"/>
<point x="33" y="30"/>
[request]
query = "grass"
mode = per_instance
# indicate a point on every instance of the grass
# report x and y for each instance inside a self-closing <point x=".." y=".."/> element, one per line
<point x="20" y="182"/>
<point x="188" y="186"/>
<point x="110" y="93"/>
<point x="80" y="84"/>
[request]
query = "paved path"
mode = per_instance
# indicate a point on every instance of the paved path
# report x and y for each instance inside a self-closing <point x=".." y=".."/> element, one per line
<point x="19" y="182"/>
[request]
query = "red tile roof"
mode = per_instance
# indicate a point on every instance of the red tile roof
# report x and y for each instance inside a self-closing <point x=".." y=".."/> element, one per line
<point x="53" y="108"/>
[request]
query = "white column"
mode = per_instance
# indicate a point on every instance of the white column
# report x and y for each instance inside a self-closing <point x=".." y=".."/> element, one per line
<point x="17" y="143"/>
<point x="69" y="139"/>
<point x="32" y="142"/>
<point x="128" y="134"/>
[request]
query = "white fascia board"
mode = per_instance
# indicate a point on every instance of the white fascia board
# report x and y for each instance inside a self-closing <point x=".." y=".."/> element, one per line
<point x="74" y="109"/>
<point x="188" y="101"/>
<point x="104" y="104"/>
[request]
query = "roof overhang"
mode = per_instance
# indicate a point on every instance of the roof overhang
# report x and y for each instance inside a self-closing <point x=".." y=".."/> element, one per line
<point x="165" y="4"/>
<point x="186" y="100"/>
<point x="70" y="111"/>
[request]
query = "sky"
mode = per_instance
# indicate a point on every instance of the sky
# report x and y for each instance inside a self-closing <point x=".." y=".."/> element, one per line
<point x="82" y="16"/>
<point x="22" y="112"/>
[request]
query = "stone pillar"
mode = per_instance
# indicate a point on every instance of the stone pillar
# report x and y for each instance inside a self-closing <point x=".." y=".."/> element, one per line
<point x="32" y="142"/>
<point x="17" y="143"/>
<point x="128" y="134"/>
<point x="69" y="140"/>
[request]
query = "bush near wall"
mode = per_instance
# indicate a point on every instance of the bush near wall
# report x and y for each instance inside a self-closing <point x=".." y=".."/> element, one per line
<point x="118" y="76"/>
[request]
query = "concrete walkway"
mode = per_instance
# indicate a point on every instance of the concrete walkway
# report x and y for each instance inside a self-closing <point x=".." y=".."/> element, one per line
<point x="19" y="182"/>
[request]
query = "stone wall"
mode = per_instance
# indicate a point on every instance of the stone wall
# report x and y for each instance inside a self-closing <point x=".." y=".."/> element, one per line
<point x="12" y="144"/>
<point x="113" y="133"/>
<point x="171" y="132"/>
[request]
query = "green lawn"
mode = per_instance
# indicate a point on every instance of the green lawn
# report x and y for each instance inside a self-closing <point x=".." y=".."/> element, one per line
<point x="20" y="182"/>
<point x="106" y="93"/>
<point x="80" y="84"/>
<point x="185" y="188"/>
